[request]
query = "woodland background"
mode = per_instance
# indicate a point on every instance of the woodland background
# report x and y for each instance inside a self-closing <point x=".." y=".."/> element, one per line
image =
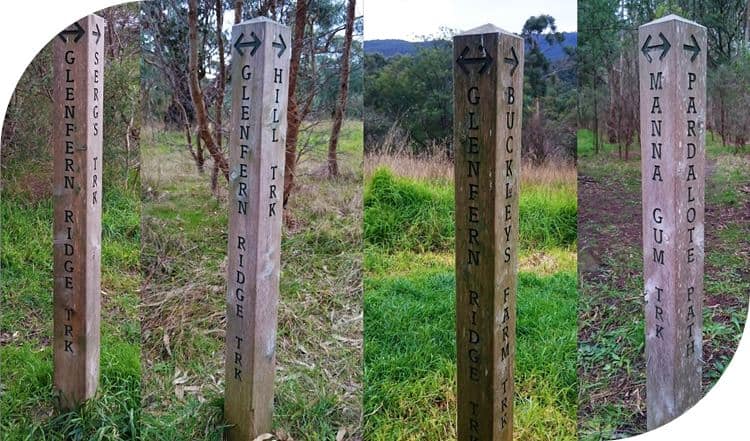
<point x="608" y="67"/>
<point x="184" y="76"/>
<point x="409" y="94"/>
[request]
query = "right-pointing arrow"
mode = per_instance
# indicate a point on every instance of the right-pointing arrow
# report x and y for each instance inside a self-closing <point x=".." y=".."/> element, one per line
<point x="281" y="46"/>
<point x="513" y="61"/>
<point x="97" y="33"/>
<point x="694" y="48"/>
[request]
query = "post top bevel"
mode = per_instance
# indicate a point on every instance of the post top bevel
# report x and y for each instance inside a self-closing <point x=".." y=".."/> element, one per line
<point x="671" y="17"/>
<point x="488" y="28"/>
<point x="260" y="20"/>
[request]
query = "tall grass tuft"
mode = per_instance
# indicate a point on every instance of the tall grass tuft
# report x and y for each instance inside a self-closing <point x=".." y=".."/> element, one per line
<point x="401" y="214"/>
<point x="411" y="215"/>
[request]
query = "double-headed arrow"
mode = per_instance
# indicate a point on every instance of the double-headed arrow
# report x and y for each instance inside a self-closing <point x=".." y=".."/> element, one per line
<point x="77" y="31"/>
<point x="664" y="46"/>
<point x="463" y="60"/>
<point x="255" y="43"/>
<point x="281" y="45"/>
<point x="513" y="60"/>
<point x="694" y="48"/>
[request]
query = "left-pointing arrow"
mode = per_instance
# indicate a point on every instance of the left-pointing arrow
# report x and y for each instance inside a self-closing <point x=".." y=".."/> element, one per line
<point x="255" y="44"/>
<point x="694" y="48"/>
<point x="77" y="31"/>
<point x="97" y="33"/>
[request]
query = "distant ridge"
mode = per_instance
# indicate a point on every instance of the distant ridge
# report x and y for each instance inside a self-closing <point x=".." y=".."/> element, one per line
<point x="390" y="48"/>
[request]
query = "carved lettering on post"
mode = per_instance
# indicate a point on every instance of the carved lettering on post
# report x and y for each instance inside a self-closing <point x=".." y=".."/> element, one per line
<point x="488" y="99"/>
<point x="78" y="91"/>
<point x="673" y="115"/>
<point x="260" y="70"/>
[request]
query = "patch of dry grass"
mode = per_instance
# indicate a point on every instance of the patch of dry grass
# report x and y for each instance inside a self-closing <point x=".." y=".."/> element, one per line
<point x="319" y="343"/>
<point x="437" y="166"/>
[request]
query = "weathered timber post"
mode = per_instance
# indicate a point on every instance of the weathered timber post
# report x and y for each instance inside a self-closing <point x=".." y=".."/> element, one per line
<point x="260" y="70"/>
<point x="673" y="115"/>
<point x="78" y="56"/>
<point x="487" y="102"/>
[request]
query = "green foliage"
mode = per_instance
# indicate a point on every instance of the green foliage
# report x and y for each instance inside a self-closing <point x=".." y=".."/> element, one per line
<point x="415" y="93"/>
<point x="536" y="66"/>
<point x="608" y="35"/>
<point x="412" y="91"/>
<point x="729" y="89"/>
<point x="402" y="214"/>
<point x="27" y="131"/>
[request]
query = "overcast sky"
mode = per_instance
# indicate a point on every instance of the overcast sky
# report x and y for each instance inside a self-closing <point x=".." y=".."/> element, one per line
<point x="410" y="19"/>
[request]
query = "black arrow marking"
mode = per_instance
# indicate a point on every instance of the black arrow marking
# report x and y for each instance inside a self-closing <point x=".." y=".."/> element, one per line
<point x="255" y="44"/>
<point x="281" y="45"/>
<point x="463" y="60"/>
<point x="78" y="32"/>
<point x="513" y="61"/>
<point x="694" y="48"/>
<point x="664" y="46"/>
<point x="97" y="33"/>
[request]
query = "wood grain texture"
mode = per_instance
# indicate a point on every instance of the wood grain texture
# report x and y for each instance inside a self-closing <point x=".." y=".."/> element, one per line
<point x="487" y="132"/>
<point x="673" y="117"/>
<point x="259" y="79"/>
<point x="78" y="75"/>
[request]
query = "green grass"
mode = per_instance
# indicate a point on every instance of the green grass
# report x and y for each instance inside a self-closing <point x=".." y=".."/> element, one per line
<point x="319" y="371"/>
<point x="410" y="361"/>
<point x="27" y="398"/>
<point x="403" y="214"/>
<point x="585" y="149"/>
<point x="611" y="348"/>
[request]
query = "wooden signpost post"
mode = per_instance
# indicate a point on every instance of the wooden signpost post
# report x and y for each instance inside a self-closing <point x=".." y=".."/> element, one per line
<point x="78" y="54"/>
<point x="260" y="71"/>
<point x="673" y="115"/>
<point x="488" y="99"/>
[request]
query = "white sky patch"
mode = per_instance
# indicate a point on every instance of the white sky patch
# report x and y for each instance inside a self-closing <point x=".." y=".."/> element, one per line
<point x="412" y="19"/>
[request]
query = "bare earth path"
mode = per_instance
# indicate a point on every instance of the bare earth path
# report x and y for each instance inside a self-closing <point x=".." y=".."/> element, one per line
<point x="611" y="344"/>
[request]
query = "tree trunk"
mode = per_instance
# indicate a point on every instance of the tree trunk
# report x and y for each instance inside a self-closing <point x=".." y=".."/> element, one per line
<point x="596" y="121"/>
<point x="238" y="11"/>
<point x="611" y="129"/>
<point x="201" y="114"/>
<point x="333" y="166"/>
<point x="219" y="90"/>
<point x="293" y="115"/>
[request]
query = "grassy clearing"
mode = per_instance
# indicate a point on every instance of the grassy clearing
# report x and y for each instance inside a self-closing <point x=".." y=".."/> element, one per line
<point x="404" y="214"/>
<point x="318" y="379"/>
<point x="26" y="397"/>
<point x="611" y="348"/>
<point x="410" y="305"/>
